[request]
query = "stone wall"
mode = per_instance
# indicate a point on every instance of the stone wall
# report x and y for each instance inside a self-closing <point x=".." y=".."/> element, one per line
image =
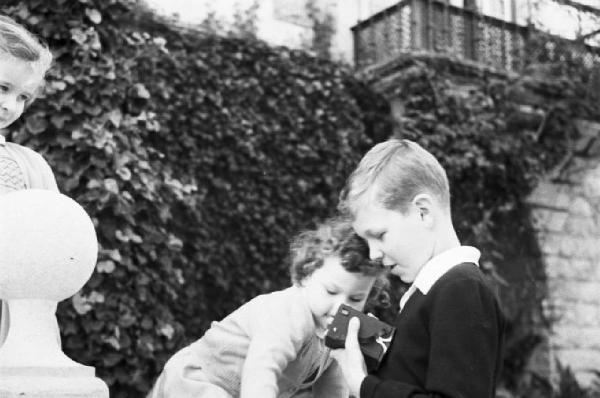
<point x="566" y="216"/>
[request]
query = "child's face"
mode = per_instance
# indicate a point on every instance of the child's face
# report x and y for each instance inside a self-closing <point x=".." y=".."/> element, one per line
<point x="18" y="84"/>
<point x="403" y="242"/>
<point x="331" y="285"/>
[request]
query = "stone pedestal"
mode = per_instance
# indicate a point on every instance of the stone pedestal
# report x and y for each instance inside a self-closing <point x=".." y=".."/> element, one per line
<point x="36" y="384"/>
<point x="48" y="251"/>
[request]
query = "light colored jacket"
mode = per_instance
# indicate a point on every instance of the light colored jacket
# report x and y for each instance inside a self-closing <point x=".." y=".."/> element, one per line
<point x="36" y="171"/>
<point x="266" y="348"/>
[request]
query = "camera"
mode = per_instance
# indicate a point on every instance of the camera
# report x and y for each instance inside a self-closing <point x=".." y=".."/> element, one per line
<point x="374" y="336"/>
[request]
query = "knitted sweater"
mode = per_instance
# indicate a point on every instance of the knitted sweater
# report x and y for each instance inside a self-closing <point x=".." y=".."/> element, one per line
<point x="267" y="348"/>
<point x="35" y="172"/>
<point x="448" y="342"/>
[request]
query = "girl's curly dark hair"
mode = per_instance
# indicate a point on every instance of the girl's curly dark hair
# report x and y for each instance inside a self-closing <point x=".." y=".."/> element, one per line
<point x="334" y="237"/>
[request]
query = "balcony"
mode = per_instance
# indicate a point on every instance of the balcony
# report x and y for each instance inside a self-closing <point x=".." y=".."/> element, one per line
<point x="434" y="27"/>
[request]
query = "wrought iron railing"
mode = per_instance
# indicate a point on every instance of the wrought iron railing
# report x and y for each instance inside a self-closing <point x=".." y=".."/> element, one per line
<point x="434" y="26"/>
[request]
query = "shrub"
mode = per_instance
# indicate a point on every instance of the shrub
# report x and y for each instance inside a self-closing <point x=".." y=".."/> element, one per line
<point x="196" y="156"/>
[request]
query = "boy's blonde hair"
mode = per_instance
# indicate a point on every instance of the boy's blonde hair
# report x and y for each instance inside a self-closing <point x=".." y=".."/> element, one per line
<point x="398" y="170"/>
<point x="18" y="42"/>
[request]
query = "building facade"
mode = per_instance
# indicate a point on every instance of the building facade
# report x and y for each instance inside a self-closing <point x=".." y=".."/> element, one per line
<point x="288" y="22"/>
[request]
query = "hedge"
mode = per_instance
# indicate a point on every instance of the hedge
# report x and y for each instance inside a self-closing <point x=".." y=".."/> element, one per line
<point x="197" y="157"/>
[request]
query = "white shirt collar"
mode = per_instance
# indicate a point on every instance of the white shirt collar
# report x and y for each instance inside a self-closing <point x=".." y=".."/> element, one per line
<point x="436" y="267"/>
<point x="2" y="140"/>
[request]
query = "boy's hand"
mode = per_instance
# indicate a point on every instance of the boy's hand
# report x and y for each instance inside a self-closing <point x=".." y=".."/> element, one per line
<point x="351" y="360"/>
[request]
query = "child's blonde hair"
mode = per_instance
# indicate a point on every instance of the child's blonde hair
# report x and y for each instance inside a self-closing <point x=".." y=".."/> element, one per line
<point x="335" y="237"/>
<point x="18" y="42"/>
<point x="398" y="170"/>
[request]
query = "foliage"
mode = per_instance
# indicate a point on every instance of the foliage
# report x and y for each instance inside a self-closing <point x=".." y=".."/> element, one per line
<point x="497" y="138"/>
<point x="244" y="24"/>
<point x="196" y="156"/>
<point x="245" y="21"/>
<point x="323" y="30"/>
<point x="571" y="65"/>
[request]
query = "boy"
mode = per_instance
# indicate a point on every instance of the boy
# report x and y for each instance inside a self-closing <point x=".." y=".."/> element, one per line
<point x="23" y="64"/>
<point x="449" y="332"/>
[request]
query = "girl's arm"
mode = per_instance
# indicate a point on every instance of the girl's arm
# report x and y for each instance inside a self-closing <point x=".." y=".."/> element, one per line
<point x="37" y="172"/>
<point x="268" y="355"/>
<point x="279" y="326"/>
<point x="48" y="180"/>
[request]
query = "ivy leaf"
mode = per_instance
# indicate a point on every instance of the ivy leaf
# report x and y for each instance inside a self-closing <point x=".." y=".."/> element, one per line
<point x="115" y="116"/>
<point x="124" y="173"/>
<point x="78" y="36"/>
<point x="80" y="304"/>
<point x="106" y="266"/>
<point x="36" y="124"/>
<point x="111" y="185"/>
<point x="167" y="330"/>
<point x="175" y="243"/>
<point x="94" y="15"/>
<point x="112" y="358"/>
<point x="58" y="121"/>
<point x="114" y="342"/>
<point x="58" y="85"/>
<point x="140" y="91"/>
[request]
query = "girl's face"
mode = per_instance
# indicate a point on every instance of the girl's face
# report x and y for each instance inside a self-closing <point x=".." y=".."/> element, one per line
<point x="331" y="285"/>
<point x="19" y="82"/>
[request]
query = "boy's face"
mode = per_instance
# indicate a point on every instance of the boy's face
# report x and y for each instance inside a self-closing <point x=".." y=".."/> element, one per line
<point x="19" y="83"/>
<point x="331" y="285"/>
<point x="403" y="242"/>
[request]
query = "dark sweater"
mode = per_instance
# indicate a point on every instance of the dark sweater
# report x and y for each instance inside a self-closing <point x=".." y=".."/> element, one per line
<point x="448" y="343"/>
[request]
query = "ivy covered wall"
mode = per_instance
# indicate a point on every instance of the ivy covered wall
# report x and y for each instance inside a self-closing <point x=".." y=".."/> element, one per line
<point x="197" y="157"/>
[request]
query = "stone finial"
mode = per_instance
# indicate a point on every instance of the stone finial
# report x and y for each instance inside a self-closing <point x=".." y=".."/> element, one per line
<point x="48" y="251"/>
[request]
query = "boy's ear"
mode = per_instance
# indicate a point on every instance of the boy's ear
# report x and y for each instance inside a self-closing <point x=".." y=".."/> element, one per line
<point x="423" y="203"/>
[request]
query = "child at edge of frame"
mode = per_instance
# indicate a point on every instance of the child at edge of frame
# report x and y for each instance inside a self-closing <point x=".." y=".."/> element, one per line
<point x="273" y="345"/>
<point x="24" y="61"/>
<point x="450" y="328"/>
